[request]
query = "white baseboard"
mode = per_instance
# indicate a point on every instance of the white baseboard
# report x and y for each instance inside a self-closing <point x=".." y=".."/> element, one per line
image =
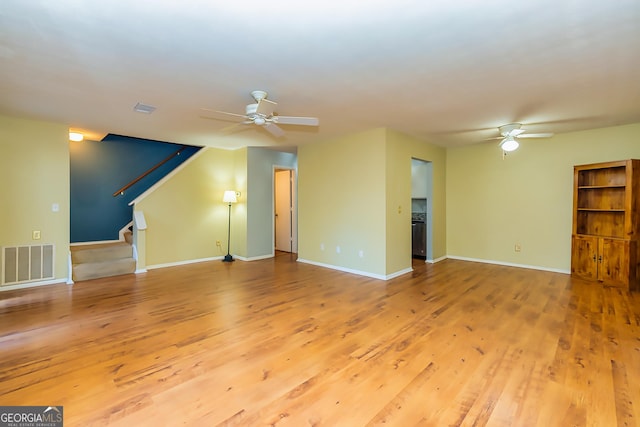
<point x="433" y="261"/>
<point x="256" y="258"/>
<point x="358" y="272"/>
<point x="33" y="284"/>
<point x="510" y="264"/>
<point x="175" y="264"/>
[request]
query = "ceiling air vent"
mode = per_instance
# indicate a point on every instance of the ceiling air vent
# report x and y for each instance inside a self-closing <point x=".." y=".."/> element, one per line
<point x="144" y="108"/>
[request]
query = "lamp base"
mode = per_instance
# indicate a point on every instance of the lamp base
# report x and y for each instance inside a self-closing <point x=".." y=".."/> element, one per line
<point x="228" y="258"/>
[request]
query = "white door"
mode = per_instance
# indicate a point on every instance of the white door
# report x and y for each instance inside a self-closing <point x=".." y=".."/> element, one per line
<point x="283" y="210"/>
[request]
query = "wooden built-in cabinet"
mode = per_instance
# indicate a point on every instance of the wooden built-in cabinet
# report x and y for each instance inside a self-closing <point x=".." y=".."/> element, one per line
<point x="606" y="223"/>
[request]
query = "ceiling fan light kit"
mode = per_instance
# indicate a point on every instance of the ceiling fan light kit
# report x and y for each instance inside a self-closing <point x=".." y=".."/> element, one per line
<point x="262" y="113"/>
<point x="511" y="132"/>
<point x="509" y="144"/>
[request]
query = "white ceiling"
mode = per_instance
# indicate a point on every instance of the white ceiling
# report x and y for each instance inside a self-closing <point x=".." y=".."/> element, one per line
<point x="448" y="71"/>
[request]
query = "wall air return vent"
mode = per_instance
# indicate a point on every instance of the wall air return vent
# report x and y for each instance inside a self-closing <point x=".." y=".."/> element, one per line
<point x="27" y="263"/>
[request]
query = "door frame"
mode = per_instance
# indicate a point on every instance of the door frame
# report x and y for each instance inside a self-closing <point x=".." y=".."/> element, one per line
<point x="428" y="164"/>
<point x="294" y="206"/>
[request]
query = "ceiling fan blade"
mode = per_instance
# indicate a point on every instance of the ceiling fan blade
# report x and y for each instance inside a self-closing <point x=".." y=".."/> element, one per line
<point x="224" y="112"/>
<point x="274" y="129"/>
<point x="536" y="135"/>
<point x="266" y="107"/>
<point x="304" y="121"/>
<point x="229" y="129"/>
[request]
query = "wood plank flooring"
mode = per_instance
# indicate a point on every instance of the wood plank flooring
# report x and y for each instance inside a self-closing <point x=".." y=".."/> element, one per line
<point x="276" y="342"/>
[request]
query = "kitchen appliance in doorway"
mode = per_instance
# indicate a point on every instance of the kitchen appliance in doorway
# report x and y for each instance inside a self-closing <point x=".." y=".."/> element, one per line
<point x="419" y="228"/>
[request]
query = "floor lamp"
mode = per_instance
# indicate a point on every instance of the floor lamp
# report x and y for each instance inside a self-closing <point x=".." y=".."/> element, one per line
<point x="229" y="197"/>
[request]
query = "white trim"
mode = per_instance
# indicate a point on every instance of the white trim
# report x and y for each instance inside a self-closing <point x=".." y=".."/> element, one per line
<point x="140" y="221"/>
<point x="293" y="185"/>
<point x="433" y="261"/>
<point x="510" y="264"/>
<point x="95" y="242"/>
<point x="135" y="257"/>
<point x="193" y="261"/>
<point x="70" y="270"/>
<point x="175" y="264"/>
<point x="399" y="273"/>
<point x="32" y="284"/>
<point x="168" y="176"/>
<point x="358" y="272"/>
<point x="256" y="258"/>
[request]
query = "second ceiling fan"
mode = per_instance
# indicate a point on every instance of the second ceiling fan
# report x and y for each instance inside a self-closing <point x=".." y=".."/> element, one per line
<point x="510" y="134"/>
<point x="262" y="113"/>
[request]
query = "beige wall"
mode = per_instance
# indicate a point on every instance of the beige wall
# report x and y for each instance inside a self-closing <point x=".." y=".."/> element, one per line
<point x="492" y="203"/>
<point x="34" y="174"/>
<point x="355" y="193"/>
<point x="401" y="149"/>
<point x="185" y="215"/>
<point x="341" y="202"/>
<point x="239" y="211"/>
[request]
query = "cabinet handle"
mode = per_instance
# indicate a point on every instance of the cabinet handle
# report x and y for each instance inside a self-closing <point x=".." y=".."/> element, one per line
<point x="594" y="257"/>
<point x="600" y="258"/>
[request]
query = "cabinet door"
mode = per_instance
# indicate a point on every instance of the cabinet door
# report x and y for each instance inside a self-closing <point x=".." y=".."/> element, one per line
<point x="583" y="258"/>
<point x="613" y="261"/>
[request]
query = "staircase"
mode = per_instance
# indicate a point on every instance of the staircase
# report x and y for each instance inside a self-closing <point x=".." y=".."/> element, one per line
<point x="102" y="260"/>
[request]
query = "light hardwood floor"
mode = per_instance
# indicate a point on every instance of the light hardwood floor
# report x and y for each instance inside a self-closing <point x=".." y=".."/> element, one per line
<point x="276" y="342"/>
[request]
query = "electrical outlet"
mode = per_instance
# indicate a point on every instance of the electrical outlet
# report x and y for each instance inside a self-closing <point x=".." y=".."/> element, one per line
<point x="218" y="243"/>
<point x="35" y="234"/>
<point x="517" y="247"/>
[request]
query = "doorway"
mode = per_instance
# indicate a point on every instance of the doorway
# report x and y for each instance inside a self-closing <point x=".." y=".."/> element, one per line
<point x="421" y="209"/>
<point x="284" y="218"/>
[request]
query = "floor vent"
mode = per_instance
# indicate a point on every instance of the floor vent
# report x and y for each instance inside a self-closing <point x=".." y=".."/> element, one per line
<point x="26" y="263"/>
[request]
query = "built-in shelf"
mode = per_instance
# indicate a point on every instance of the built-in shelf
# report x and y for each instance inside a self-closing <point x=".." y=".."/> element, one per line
<point x="599" y="187"/>
<point x="606" y="224"/>
<point x="600" y="210"/>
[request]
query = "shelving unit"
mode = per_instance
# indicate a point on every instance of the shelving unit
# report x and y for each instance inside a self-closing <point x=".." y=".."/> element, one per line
<point x="606" y="224"/>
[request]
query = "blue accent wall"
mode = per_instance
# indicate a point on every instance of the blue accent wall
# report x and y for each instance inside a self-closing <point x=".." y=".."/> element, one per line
<point x="98" y="169"/>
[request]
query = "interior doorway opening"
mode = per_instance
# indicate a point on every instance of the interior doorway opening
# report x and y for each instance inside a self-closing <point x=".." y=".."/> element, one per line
<point x="284" y="216"/>
<point x="421" y="209"/>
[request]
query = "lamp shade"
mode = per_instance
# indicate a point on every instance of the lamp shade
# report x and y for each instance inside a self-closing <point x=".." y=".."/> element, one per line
<point x="509" y="144"/>
<point x="229" y="196"/>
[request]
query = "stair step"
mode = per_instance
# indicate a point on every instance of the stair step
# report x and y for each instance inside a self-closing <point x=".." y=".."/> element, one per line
<point x="102" y="260"/>
<point x="102" y="252"/>
<point x="95" y="270"/>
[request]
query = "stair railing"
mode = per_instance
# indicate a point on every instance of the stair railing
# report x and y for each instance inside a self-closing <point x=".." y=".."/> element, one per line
<point x="121" y="191"/>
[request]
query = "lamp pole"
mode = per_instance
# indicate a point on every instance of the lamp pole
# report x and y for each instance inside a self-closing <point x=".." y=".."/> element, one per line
<point x="228" y="257"/>
<point x="230" y="196"/>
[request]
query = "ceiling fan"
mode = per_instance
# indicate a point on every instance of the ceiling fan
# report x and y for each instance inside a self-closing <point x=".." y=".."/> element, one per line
<point x="262" y="113"/>
<point x="511" y="132"/>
